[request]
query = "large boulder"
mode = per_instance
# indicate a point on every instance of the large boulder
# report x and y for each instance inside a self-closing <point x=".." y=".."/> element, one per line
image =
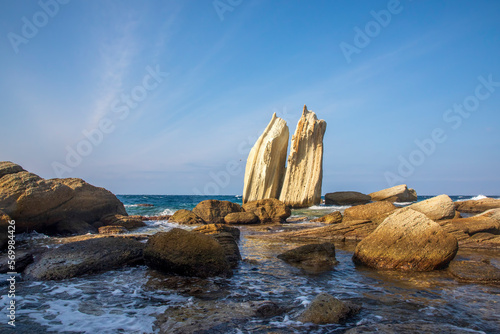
<point x="213" y="211"/>
<point x="37" y="204"/>
<point x="407" y="240"/>
<point x="312" y="258"/>
<point x="231" y="249"/>
<point x="304" y="172"/>
<point x="477" y="206"/>
<point x="218" y="228"/>
<point x="85" y="257"/>
<point x="346" y="198"/>
<point x="326" y="309"/>
<point x="331" y="218"/>
<point x="370" y="211"/>
<point x="265" y="168"/>
<point x="241" y="218"/>
<point x="186" y="253"/>
<point x="436" y="208"/>
<point x="269" y="210"/>
<point x="186" y="217"/>
<point x="399" y="193"/>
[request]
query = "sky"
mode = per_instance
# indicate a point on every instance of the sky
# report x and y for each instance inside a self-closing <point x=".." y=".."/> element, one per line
<point x="168" y="97"/>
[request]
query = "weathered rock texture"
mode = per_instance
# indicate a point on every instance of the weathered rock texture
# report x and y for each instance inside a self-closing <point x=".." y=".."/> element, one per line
<point x="85" y="257"/>
<point x="312" y="257"/>
<point x="436" y="208"/>
<point x="218" y="228"/>
<point x="475" y="271"/>
<point x="326" y="309"/>
<point x="346" y="198"/>
<point x="268" y="210"/>
<point x="187" y="217"/>
<point x="331" y="218"/>
<point x="377" y="211"/>
<point x="304" y="173"/>
<point x="39" y="204"/>
<point x="399" y="193"/>
<point x="213" y="211"/>
<point x="477" y="206"/>
<point x="187" y="254"/>
<point x="241" y="218"/>
<point x="407" y="240"/>
<point x="265" y="169"/>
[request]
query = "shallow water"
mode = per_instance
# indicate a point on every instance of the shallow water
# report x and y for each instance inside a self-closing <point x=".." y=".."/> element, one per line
<point x="132" y="300"/>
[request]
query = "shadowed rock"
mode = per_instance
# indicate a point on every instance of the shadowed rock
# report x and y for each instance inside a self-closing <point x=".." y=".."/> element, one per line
<point x="346" y="198"/>
<point x="313" y="258"/>
<point x="326" y="309"/>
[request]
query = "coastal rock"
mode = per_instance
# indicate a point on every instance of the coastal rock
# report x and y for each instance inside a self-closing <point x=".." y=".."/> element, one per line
<point x="413" y="327"/>
<point x="265" y="168"/>
<point x="242" y="218"/>
<point x="4" y="223"/>
<point x="376" y="211"/>
<point x="36" y="204"/>
<point x="70" y="227"/>
<point x="231" y="249"/>
<point x="346" y="198"/>
<point x="23" y="259"/>
<point x="436" y="208"/>
<point x="331" y="218"/>
<point x="477" y="206"/>
<point x="269" y="309"/>
<point x="213" y="211"/>
<point x="304" y="173"/>
<point x="313" y="258"/>
<point x="326" y="309"/>
<point x="407" y="240"/>
<point x="218" y="228"/>
<point x="85" y="257"/>
<point x="399" y="193"/>
<point x="475" y="271"/>
<point x="269" y="210"/>
<point x="471" y="225"/>
<point x="187" y="254"/>
<point x="112" y="229"/>
<point x="145" y="205"/>
<point x="129" y="222"/>
<point x="186" y="217"/>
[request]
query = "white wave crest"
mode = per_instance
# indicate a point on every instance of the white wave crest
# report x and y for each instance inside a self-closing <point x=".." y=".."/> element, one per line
<point x="478" y="197"/>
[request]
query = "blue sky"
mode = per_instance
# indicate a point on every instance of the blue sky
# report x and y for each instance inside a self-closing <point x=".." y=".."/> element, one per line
<point x="173" y="94"/>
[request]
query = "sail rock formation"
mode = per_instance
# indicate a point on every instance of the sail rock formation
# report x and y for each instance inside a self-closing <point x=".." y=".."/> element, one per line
<point x="300" y="185"/>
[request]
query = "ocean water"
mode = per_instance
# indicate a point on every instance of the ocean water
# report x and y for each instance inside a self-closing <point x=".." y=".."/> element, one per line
<point x="139" y="300"/>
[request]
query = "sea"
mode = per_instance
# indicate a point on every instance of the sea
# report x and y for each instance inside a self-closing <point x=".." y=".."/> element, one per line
<point x="140" y="300"/>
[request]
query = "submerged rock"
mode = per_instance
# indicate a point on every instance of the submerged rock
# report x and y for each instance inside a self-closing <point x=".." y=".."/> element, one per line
<point x="187" y="254"/>
<point x="313" y="258"/>
<point x="346" y="198"/>
<point x="326" y="309"/>
<point x="399" y="193"/>
<point x="331" y="218"/>
<point x="186" y="217"/>
<point x="265" y="168"/>
<point x="304" y="172"/>
<point x="85" y="257"/>
<point x="475" y="271"/>
<point x="269" y="210"/>
<point x="407" y="240"/>
<point x="213" y="211"/>
<point x="436" y="208"/>
<point x="414" y="327"/>
<point x="477" y="206"/>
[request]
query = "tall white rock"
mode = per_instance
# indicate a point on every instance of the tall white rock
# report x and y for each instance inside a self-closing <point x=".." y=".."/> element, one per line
<point x="304" y="173"/>
<point x="265" y="167"/>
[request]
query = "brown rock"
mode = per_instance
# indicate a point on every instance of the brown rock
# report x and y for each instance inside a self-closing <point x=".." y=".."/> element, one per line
<point x="346" y="198"/>
<point x="213" y="211"/>
<point x="313" y="258"/>
<point x="218" y="228"/>
<point x="413" y="327"/>
<point x="368" y="211"/>
<point x="407" y="240"/>
<point x="7" y="167"/>
<point x="268" y="210"/>
<point x="4" y="223"/>
<point x="111" y="229"/>
<point x="242" y="218"/>
<point x="70" y="227"/>
<point x="475" y="271"/>
<point x="472" y="225"/>
<point x="477" y="206"/>
<point x="186" y="217"/>
<point x="331" y="218"/>
<point x="399" y="193"/>
<point x="326" y="309"/>
<point x="129" y="222"/>
<point x="231" y="249"/>
<point x="85" y="257"/>
<point x="436" y="208"/>
<point x="187" y="254"/>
